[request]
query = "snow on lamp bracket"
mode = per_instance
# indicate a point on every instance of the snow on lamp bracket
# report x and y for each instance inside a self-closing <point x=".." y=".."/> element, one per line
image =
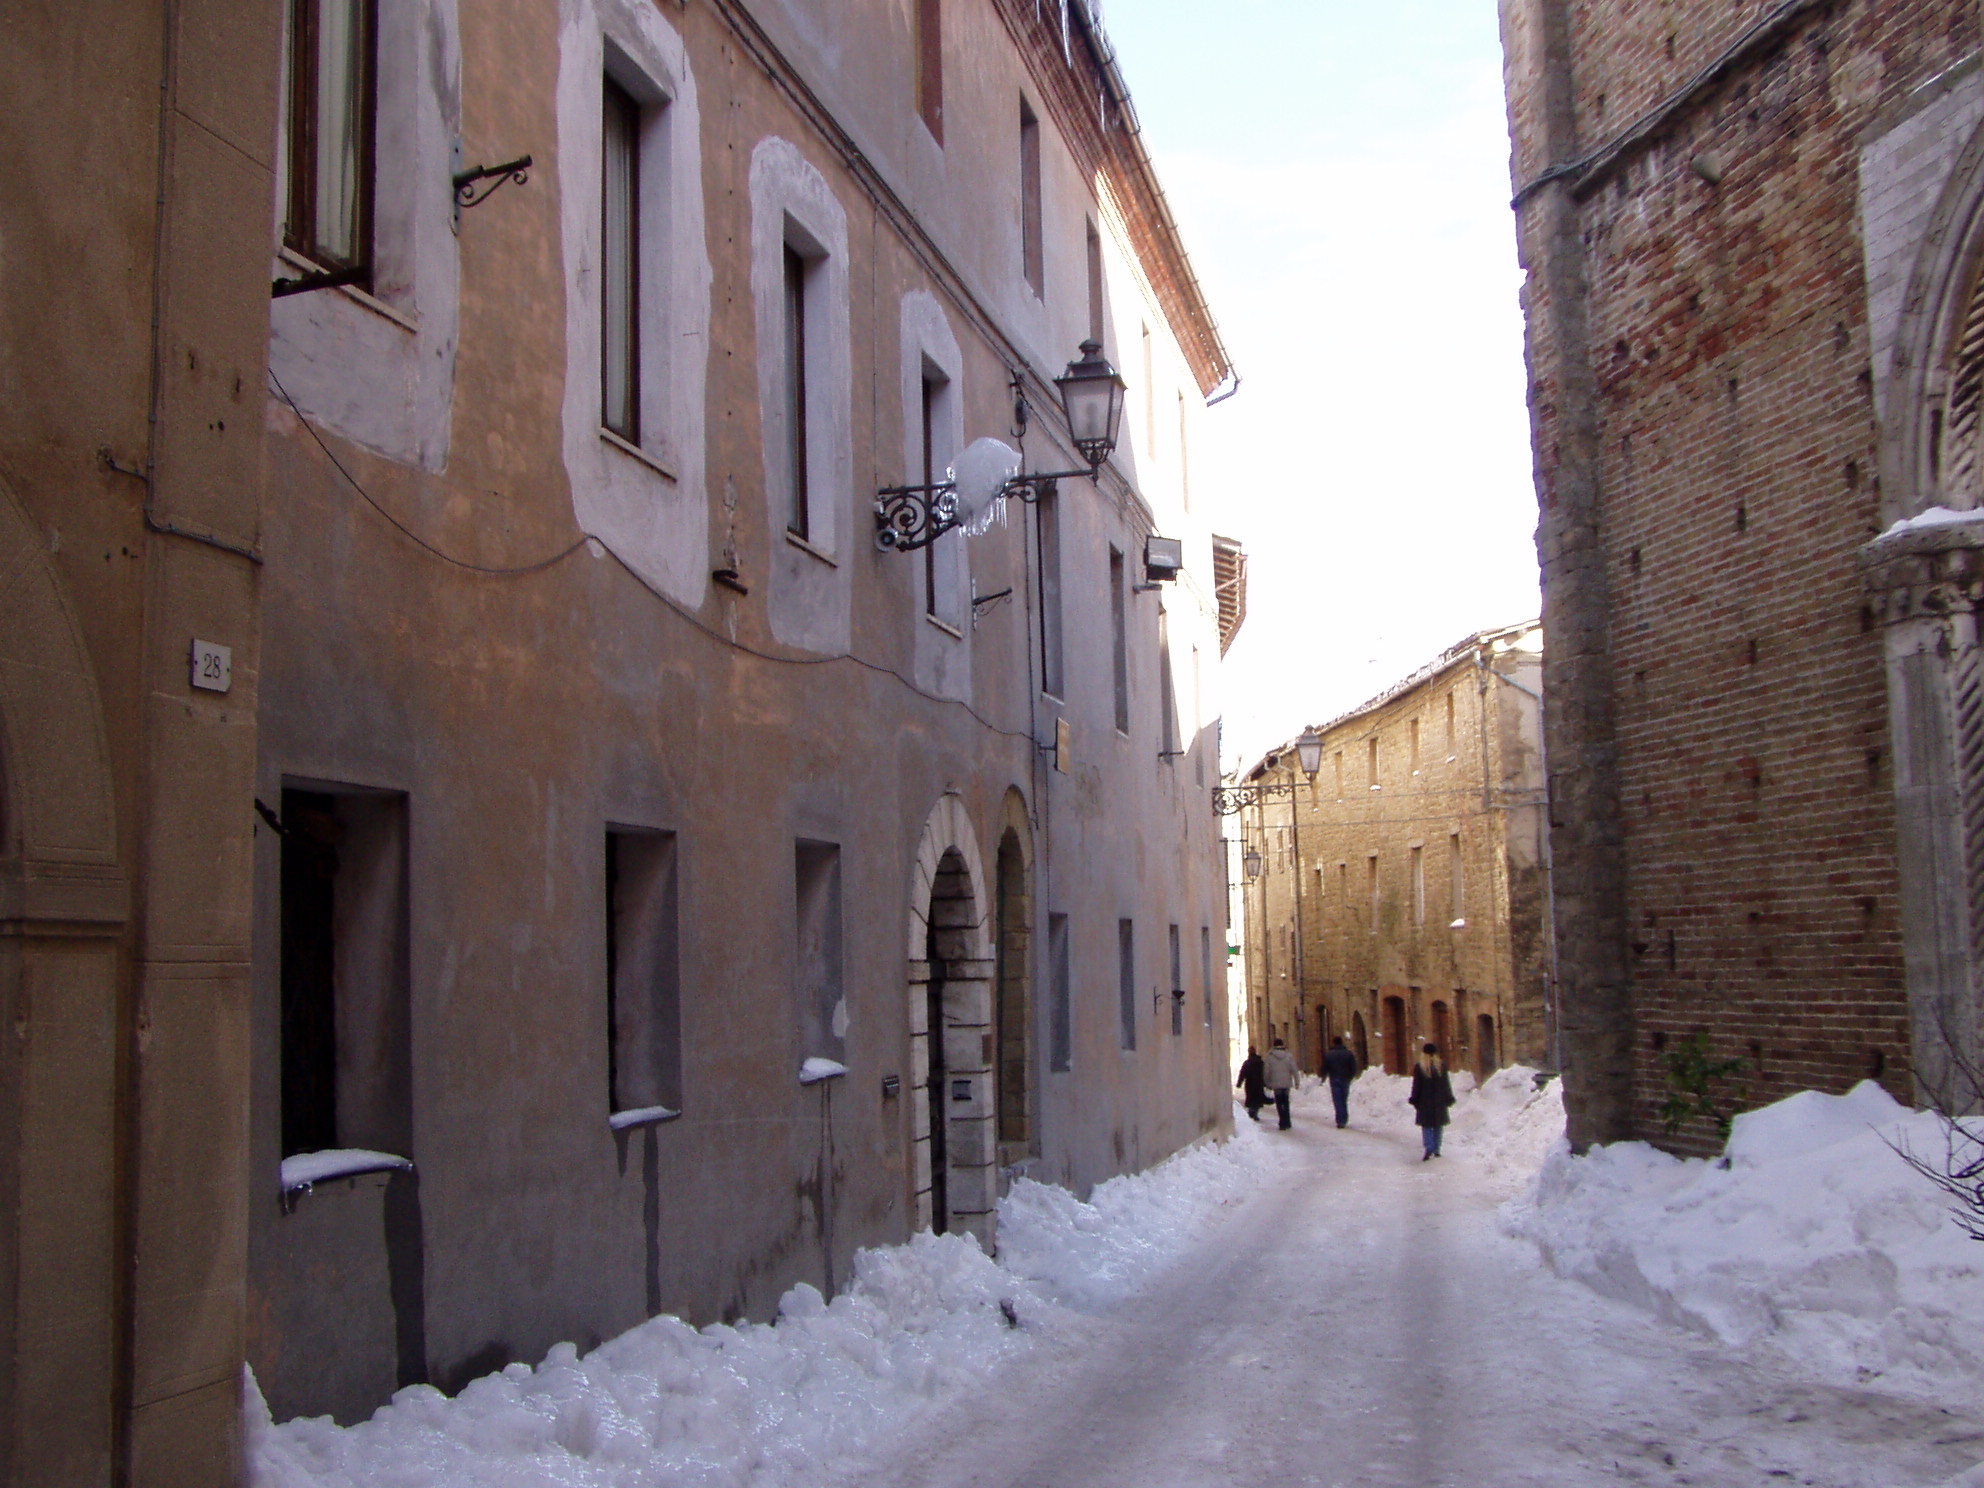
<point x="911" y="517"/>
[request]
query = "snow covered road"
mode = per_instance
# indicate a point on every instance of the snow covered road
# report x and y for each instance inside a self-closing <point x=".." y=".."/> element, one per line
<point x="1362" y="1322"/>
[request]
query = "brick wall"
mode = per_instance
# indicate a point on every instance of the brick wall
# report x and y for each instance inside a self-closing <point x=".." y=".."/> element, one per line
<point x="1701" y="382"/>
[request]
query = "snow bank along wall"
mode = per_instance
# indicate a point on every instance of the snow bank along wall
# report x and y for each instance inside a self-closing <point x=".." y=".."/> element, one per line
<point x="1403" y="893"/>
<point x="1751" y="245"/>
<point x="607" y="777"/>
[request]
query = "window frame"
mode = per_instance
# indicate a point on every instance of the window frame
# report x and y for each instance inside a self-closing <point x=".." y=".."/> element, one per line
<point x="301" y="118"/>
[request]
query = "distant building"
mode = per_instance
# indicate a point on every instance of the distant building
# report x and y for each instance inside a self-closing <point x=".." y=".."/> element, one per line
<point x="1755" y="325"/>
<point x="1402" y="895"/>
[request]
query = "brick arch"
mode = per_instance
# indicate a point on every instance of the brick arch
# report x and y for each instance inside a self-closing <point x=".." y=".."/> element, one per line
<point x="954" y="1177"/>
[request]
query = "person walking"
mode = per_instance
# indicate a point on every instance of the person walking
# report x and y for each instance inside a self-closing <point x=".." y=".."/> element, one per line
<point x="1432" y="1097"/>
<point x="1340" y="1065"/>
<point x="1279" y="1072"/>
<point x="1250" y="1083"/>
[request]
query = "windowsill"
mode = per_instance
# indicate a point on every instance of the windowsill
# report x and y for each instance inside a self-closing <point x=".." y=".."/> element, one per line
<point x="1054" y="697"/>
<point x="633" y="451"/>
<point x="641" y="1116"/>
<point x="944" y="625"/>
<point x="816" y="1069"/>
<point x="805" y="547"/>
<point x="290" y="258"/>
<point x="303" y="1171"/>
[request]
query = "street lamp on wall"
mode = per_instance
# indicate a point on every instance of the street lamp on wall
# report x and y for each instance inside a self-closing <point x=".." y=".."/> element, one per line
<point x="1251" y="860"/>
<point x="1227" y="799"/>
<point x="1309" y="753"/>
<point x="911" y="517"/>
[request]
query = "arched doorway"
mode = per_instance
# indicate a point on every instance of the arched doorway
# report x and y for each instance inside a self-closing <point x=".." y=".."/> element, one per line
<point x="1485" y="1060"/>
<point x="1443" y="1031"/>
<point x="1012" y="981"/>
<point x="1398" y="1059"/>
<point x="1360" y="1038"/>
<point x="954" y="1175"/>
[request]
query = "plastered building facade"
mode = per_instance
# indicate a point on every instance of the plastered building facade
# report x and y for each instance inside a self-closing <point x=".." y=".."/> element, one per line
<point x="610" y="882"/>
<point x="1751" y="246"/>
<point x="1402" y="895"/>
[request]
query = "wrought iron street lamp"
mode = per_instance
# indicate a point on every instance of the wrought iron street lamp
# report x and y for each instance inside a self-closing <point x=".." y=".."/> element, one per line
<point x="911" y="517"/>
<point x="1251" y="858"/>
<point x="1227" y="799"/>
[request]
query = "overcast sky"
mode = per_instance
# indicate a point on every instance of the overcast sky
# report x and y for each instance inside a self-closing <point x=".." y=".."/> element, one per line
<point x="1340" y="172"/>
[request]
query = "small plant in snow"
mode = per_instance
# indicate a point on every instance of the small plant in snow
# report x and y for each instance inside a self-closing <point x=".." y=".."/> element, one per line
<point x="1958" y="1170"/>
<point x="1691" y="1075"/>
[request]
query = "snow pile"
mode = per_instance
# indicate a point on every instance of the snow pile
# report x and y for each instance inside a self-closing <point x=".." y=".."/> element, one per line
<point x="1810" y="1236"/>
<point x="1507" y="1128"/>
<point x="1935" y="516"/>
<point x="1089" y="1255"/>
<point x="667" y="1404"/>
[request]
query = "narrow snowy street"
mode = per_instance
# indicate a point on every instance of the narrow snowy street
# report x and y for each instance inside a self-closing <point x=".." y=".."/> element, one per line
<point x="1362" y="1322"/>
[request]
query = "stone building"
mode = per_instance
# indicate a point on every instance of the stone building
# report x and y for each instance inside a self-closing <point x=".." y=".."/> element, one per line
<point x="1752" y="237"/>
<point x="1401" y="895"/>
<point x="495" y="847"/>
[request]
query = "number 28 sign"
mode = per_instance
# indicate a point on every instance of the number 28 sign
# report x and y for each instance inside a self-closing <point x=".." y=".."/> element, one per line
<point x="213" y="666"/>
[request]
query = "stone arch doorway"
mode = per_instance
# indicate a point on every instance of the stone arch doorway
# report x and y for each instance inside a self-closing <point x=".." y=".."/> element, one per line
<point x="1013" y="982"/>
<point x="954" y="1174"/>
<point x="62" y="915"/>
<point x="1443" y="1031"/>
<point x="1485" y="1062"/>
<point x="1398" y="1059"/>
<point x="1360" y="1037"/>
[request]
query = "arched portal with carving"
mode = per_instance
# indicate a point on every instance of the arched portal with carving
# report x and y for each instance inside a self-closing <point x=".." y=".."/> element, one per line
<point x="954" y="1174"/>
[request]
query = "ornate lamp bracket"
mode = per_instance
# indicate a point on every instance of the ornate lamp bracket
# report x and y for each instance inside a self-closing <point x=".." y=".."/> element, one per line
<point x="1230" y="799"/>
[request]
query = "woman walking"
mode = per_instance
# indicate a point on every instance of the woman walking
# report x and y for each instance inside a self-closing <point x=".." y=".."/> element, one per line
<point x="1432" y="1097"/>
<point x="1252" y="1083"/>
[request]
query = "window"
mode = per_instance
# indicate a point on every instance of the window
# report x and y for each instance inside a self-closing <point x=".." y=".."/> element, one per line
<point x="1373" y="762"/>
<point x="620" y="257"/>
<point x="1412" y="745"/>
<point x="1456" y="880"/>
<point x="1184" y="458"/>
<point x="1150" y="397"/>
<point x="798" y="517"/>
<point x="1371" y="879"/>
<point x="929" y="44"/>
<point x="1418" y="864"/>
<point x="933" y="383"/>
<point x="822" y="1009"/>
<point x="346" y="1048"/>
<point x="1339" y="774"/>
<point x="1119" y="640"/>
<point x="1047" y="519"/>
<point x="1032" y="251"/>
<point x="643" y="993"/>
<point x="326" y="164"/>
<point x="1205" y="970"/>
<point x="1177" y="986"/>
<point x="1167" y="692"/>
<point x="1126" y="980"/>
<point x="1060" y="1006"/>
<point x="1450" y="724"/>
<point x="1096" y="315"/>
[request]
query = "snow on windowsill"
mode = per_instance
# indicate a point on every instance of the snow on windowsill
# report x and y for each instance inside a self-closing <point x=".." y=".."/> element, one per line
<point x="305" y="1170"/>
<point x="1935" y="516"/>
<point x="641" y="1116"/>
<point x="1458" y="925"/>
<point x="816" y="1069"/>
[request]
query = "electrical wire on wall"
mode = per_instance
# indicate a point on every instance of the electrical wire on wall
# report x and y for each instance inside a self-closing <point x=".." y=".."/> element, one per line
<point x="586" y="539"/>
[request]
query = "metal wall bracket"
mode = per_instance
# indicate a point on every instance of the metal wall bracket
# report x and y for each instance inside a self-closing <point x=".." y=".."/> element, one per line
<point x="466" y="181"/>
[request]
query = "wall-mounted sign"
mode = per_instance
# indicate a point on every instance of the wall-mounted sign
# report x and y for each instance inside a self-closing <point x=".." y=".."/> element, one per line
<point x="960" y="1090"/>
<point x="213" y="666"/>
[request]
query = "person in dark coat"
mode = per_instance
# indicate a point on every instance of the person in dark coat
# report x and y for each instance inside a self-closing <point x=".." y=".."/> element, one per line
<point x="1252" y="1081"/>
<point x="1432" y="1097"/>
<point x="1340" y="1066"/>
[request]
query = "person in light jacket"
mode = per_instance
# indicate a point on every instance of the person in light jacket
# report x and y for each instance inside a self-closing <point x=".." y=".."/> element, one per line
<point x="1250" y="1083"/>
<point x="1341" y="1067"/>
<point x="1279" y="1072"/>
<point x="1432" y="1097"/>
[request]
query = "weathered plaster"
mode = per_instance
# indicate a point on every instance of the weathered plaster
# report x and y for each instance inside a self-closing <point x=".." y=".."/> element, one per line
<point x="655" y="519"/>
<point x="380" y="368"/>
<point x="808" y="598"/>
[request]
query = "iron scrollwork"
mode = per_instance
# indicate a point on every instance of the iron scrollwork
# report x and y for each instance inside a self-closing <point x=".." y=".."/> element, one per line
<point x="466" y="195"/>
<point x="911" y="517"/>
<point x="1229" y="799"/>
